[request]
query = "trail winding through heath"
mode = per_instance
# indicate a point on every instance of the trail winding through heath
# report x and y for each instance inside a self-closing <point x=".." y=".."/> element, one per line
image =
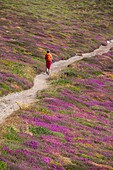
<point x="14" y="101"/>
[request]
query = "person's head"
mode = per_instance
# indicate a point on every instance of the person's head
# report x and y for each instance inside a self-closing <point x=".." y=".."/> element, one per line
<point x="48" y="51"/>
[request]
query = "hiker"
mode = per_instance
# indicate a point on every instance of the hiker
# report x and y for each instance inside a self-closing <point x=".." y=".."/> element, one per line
<point x="48" y="58"/>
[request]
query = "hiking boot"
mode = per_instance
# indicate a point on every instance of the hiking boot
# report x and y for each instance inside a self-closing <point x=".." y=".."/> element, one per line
<point x="47" y="71"/>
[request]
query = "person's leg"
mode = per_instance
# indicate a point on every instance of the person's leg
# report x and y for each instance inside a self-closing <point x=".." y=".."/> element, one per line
<point x="46" y="70"/>
<point x="49" y="68"/>
<point x="48" y="65"/>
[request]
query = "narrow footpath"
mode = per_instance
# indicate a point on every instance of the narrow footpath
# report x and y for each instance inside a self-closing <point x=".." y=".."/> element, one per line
<point x="14" y="101"/>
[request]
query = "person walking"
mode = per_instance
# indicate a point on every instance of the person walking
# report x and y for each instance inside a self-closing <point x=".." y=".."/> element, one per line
<point x="48" y="58"/>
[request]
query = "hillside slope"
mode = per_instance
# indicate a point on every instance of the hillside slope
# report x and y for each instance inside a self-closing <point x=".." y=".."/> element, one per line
<point x="29" y="28"/>
<point x="70" y="127"/>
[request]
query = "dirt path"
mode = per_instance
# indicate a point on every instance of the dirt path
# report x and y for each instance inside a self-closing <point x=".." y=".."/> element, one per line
<point x="15" y="101"/>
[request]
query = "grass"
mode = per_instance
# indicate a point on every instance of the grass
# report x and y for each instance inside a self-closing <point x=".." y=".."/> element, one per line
<point x="40" y="130"/>
<point x="12" y="135"/>
<point x="61" y="81"/>
<point x="5" y="87"/>
<point x="76" y="88"/>
<point x="3" y="165"/>
<point x="98" y="73"/>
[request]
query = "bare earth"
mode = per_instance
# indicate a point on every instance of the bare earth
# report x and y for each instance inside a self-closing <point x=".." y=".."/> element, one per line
<point x="15" y="101"/>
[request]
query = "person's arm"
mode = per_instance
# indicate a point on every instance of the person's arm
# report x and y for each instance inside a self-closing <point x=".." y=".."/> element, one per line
<point x="51" y="57"/>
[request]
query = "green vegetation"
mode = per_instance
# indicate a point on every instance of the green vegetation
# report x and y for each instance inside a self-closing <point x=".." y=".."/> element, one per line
<point x="3" y="165"/>
<point x="40" y="130"/>
<point x="61" y="81"/>
<point x="12" y="134"/>
<point x="5" y="87"/>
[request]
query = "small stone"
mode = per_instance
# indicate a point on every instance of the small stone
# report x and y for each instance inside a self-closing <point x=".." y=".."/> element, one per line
<point x="104" y="43"/>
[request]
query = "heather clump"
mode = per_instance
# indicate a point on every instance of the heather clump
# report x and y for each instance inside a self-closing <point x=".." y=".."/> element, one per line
<point x="14" y="83"/>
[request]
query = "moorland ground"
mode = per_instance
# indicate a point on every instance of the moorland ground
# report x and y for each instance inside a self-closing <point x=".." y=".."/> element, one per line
<point x="70" y="127"/>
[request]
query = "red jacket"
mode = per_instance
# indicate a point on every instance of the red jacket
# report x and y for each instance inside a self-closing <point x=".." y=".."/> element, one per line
<point x="48" y="57"/>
